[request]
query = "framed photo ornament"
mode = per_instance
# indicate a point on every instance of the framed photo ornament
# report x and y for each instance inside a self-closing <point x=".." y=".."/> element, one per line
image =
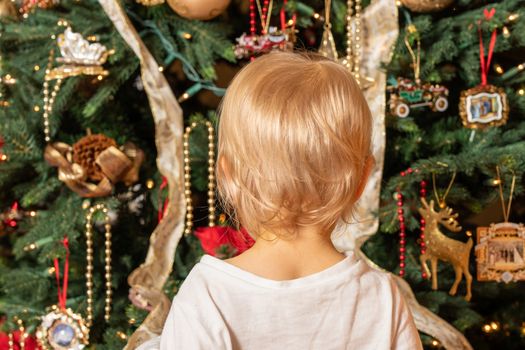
<point x="500" y="252"/>
<point x="483" y="106"/>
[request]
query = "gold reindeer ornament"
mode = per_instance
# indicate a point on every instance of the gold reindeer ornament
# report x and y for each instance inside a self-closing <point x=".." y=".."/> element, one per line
<point x="441" y="247"/>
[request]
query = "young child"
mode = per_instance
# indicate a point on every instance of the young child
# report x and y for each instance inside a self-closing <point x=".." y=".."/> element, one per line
<point x="294" y="156"/>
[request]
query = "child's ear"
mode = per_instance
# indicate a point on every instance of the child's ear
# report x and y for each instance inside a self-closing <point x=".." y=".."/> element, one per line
<point x="223" y="165"/>
<point x="369" y="164"/>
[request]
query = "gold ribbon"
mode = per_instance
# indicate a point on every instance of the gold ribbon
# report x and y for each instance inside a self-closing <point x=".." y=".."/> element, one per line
<point x="116" y="165"/>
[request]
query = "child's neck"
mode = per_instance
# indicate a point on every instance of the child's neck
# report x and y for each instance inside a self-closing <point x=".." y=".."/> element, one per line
<point x="310" y="251"/>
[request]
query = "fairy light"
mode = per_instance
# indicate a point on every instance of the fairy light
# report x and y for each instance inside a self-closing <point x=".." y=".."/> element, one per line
<point x="161" y="69"/>
<point x="506" y="32"/>
<point x="521" y="92"/>
<point x="36" y="68"/>
<point x="30" y="247"/>
<point x="498" y="69"/>
<point x="150" y="184"/>
<point x="316" y="16"/>
<point x="122" y="335"/>
<point x="187" y="36"/>
<point x="183" y="97"/>
<point x="494" y="326"/>
<point x="487" y="328"/>
<point x="36" y="108"/>
<point x="513" y="16"/>
<point x="51" y="270"/>
<point x="435" y="343"/>
<point x="100" y="77"/>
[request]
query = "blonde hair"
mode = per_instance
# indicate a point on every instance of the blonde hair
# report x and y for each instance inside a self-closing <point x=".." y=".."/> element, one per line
<point x="294" y="137"/>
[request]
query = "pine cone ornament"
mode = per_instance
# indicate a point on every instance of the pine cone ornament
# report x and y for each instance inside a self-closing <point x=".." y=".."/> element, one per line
<point x="86" y="151"/>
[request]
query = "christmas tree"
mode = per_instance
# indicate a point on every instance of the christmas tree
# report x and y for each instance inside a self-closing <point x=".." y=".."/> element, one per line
<point x="107" y="137"/>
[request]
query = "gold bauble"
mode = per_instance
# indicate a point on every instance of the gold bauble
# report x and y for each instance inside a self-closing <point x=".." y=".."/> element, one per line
<point x="198" y="9"/>
<point x="426" y="5"/>
<point x="8" y="9"/>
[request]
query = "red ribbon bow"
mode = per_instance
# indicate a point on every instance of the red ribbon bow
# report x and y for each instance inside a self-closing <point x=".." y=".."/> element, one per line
<point x="62" y="292"/>
<point x="486" y="64"/>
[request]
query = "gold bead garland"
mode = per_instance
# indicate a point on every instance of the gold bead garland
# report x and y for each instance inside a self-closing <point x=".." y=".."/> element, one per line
<point x="211" y="176"/>
<point x="49" y="101"/>
<point x="22" y="337"/>
<point x="11" y="341"/>
<point x="89" y="258"/>
<point x="354" y="37"/>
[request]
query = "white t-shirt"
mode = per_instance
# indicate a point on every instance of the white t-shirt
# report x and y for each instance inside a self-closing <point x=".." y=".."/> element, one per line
<point x="347" y="306"/>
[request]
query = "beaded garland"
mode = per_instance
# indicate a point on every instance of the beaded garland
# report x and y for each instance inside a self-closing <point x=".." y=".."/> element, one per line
<point x="402" y="224"/>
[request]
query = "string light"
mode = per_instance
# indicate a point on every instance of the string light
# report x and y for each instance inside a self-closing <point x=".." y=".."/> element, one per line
<point x="435" y="343"/>
<point x="494" y="325"/>
<point x="150" y="184"/>
<point x="506" y="32"/>
<point x="30" y="247"/>
<point x="122" y="335"/>
<point x="36" y="108"/>
<point x="161" y="69"/>
<point x="487" y="328"/>
<point x="513" y="17"/>
<point x="316" y="16"/>
<point x="187" y="36"/>
<point x="498" y="69"/>
<point x="521" y="92"/>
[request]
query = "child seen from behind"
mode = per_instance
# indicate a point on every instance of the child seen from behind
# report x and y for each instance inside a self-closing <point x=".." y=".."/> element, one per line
<point x="294" y="157"/>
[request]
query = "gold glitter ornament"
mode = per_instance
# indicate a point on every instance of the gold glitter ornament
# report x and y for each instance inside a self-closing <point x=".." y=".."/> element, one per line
<point x="327" y="47"/>
<point x="441" y="247"/>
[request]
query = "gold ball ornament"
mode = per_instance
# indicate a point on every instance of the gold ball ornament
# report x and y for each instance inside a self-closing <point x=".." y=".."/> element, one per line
<point x="8" y="9"/>
<point x="198" y="9"/>
<point x="426" y="5"/>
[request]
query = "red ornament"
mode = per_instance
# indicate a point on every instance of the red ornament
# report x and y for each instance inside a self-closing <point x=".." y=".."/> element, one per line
<point x="223" y="241"/>
<point x="29" y="341"/>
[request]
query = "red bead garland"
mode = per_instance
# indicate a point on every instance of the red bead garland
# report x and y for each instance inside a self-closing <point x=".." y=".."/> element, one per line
<point x="252" y="17"/>
<point x="402" y="224"/>
<point x="422" y="223"/>
<point x="264" y="15"/>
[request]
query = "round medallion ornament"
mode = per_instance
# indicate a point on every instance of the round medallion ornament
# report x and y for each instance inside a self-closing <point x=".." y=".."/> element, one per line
<point x="62" y="330"/>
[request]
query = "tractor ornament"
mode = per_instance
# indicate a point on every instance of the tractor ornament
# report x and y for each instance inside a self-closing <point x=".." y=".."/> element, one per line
<point x="406" y="94"/>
